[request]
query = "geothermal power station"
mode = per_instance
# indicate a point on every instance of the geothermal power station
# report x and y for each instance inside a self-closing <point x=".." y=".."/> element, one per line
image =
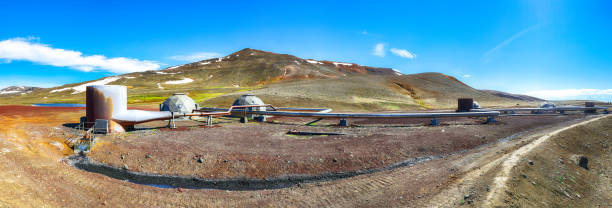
<point x="107" y="112"/>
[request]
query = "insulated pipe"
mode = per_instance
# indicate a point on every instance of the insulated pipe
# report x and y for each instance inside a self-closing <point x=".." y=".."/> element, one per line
<point x="568" y="108"/>
<point x="109" y="102"/>
<point x="318" y="110"/>
<point x="323" y="113"/>
<point x="376" y="115"/>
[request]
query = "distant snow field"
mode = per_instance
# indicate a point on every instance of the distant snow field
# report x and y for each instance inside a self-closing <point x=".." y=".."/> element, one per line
<point x="8" y="92"/>
<point x="183" y="81"/>
<point x="83" y="87"/>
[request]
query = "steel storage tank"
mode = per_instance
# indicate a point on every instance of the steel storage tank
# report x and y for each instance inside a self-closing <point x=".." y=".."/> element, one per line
<point x="465" y="104"/>
<point x="105" y="101"/>
<point x="590" y="105"/>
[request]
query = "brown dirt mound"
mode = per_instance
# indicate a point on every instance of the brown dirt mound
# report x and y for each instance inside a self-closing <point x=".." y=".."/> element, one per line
<point x="552" y="176"/>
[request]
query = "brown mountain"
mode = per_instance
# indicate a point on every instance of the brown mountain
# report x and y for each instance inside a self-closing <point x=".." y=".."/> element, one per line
<point x="283" y="80"/>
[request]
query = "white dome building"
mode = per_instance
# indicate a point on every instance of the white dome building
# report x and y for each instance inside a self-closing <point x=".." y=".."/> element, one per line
<point x="547" y="105"/>
<point x="178" y="103"/>
<point x="249" y="99"/>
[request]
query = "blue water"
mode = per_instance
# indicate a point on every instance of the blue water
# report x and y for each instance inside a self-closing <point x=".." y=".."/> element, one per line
<point x="58" y="105"/>
<point x="161" y="186"/>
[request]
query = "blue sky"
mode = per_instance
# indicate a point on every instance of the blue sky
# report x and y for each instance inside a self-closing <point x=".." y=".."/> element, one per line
<point x="552" y="49"/>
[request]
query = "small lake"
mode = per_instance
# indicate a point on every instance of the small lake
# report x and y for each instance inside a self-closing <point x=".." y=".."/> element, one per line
<point x="69" y="105"/>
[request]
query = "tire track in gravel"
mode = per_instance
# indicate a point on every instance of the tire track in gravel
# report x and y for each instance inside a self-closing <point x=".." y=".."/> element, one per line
<point x="501" y="178"/>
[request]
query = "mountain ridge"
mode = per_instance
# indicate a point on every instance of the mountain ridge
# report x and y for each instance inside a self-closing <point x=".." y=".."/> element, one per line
<point x="283" y="79"/>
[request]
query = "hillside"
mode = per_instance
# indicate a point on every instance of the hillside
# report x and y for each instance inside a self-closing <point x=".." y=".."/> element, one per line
<point x="371" y="92"/>
<point x="18" y="90"/>
<point x="282" y="80"/>
<point x="514" y="96"/>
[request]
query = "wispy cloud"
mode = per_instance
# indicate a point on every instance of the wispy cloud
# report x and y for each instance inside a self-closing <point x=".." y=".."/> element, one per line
<point x="379" y="50"/>
<point x="486" y="56"/>
<point x="198" y="56"/>
<point x="403" y="53"/>
<point x="570" y="94"/>
<point x="467" y="75"/>
<point x="27" y="49"/>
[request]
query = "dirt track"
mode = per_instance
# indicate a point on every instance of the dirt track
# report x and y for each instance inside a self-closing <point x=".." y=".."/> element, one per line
<point x="32" y="174"/>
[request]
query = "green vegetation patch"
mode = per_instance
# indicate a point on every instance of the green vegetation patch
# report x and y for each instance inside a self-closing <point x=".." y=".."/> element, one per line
<point x="145" y="99"/>
<point x="199" y="97"/>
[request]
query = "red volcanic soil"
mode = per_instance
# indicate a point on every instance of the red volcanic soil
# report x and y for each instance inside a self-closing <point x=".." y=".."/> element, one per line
<point x="34" y="110"/>
<point x="263" y="149"/>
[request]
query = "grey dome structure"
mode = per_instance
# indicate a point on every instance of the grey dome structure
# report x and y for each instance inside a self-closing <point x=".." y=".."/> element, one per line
<point x="249" y="99"/>
<point x="178" y="103"/>
<point x="547" y="105"/>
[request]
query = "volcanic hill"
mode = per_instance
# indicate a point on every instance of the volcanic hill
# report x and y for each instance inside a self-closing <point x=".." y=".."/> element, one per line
<point x="283" y="80"/>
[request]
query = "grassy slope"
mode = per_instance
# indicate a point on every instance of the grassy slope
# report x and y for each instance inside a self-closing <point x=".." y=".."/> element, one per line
<point x="371" y="92"/>
<point x="284" y="80"/>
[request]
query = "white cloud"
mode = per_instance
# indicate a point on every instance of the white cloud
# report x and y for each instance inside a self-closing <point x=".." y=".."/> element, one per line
<point x="196" y="56"/>
<point x="24" y="49"/>
<point x="485" y="56"/>
<point x="379" y="50"/>
<point x="403" y="53"/>
<point x="570" y="94"/>
<point x="467" y="75"/>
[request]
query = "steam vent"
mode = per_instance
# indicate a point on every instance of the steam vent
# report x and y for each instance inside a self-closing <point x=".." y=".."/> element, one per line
<point x="178" y="103"/>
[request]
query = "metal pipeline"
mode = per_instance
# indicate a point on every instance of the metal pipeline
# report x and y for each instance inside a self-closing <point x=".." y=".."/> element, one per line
<point x="554" y="109"/>
<point x="131" y="117"/>
<point x="109" y="102"/>
<point x="324" y="113"/>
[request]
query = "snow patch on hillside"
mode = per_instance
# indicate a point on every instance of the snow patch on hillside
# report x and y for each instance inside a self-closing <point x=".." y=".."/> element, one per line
<point x="8" y="92"/>
<point x="397" y="72"/>
<point x="205" y="63"/>
<point x="183" y="81"/>
<point x="313" y="61"/>
<point x="340" y="63"/>
<point x="159" y="86"/>
<point x="160" y="72"/>
<point x="81" y="88"/>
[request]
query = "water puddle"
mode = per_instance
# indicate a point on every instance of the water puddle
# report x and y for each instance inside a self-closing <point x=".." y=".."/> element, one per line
<point x="65" y="105"/>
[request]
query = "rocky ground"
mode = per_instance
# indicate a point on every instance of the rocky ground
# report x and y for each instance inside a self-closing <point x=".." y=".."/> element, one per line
<point x="34" y="174"/>
<point x="259" y="150"/>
